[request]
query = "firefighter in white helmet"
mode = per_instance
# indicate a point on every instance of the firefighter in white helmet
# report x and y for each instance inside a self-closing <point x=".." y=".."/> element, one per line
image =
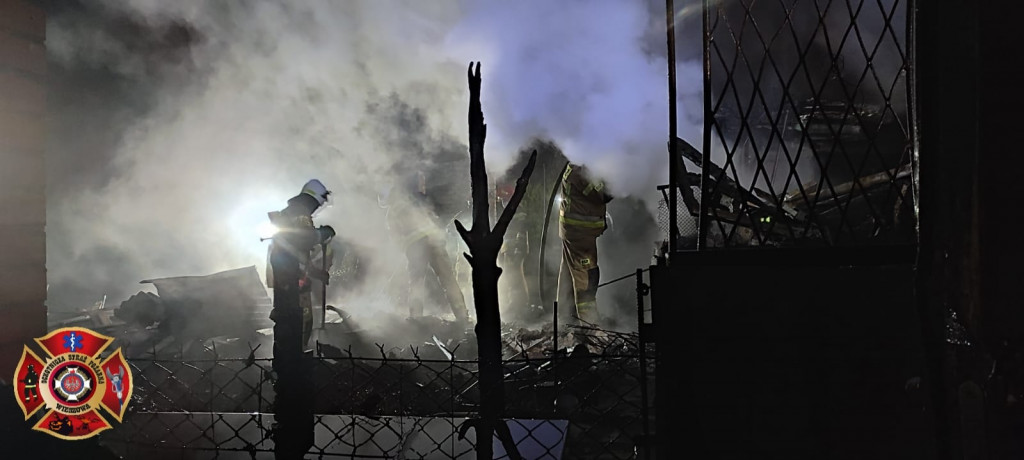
<point x="290" y="269"/>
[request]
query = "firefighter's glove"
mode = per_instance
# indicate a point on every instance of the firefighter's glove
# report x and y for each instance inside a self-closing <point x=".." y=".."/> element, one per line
<point x="326" y="233"/>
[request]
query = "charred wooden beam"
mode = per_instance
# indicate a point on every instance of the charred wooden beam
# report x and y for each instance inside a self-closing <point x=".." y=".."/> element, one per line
<point x="484" y="244"/>
<point x="717" y="174"/>
<point x="687" y="181"/>
<point x="861" y="185"/>
<point x="723" y="184"/>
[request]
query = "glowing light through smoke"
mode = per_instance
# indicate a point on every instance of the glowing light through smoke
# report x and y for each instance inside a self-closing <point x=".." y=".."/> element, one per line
<point x="266" y="230"/>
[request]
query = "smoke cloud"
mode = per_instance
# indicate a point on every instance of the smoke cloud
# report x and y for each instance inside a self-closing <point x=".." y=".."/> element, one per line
<point x="181" y="124"/>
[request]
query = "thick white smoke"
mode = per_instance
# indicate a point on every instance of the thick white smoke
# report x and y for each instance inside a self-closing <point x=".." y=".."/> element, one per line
<point x="271" y="94"/>
<point x="575" y="72"/>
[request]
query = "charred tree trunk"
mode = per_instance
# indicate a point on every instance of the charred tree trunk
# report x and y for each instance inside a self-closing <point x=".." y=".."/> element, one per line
<point x="484" y="244"/>
<point x="293" y="386"/>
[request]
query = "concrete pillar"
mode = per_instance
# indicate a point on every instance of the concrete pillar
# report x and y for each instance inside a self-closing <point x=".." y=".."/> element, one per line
<point x="22" y="178"/>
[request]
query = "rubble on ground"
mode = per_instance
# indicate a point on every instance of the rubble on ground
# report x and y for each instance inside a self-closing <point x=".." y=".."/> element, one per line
<point x="184" y="313"/>
<point x="97" y="317"/>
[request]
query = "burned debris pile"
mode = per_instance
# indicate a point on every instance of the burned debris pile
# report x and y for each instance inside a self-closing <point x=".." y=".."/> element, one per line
<point x="875" y="206"/>
<point x="190" y="312"/>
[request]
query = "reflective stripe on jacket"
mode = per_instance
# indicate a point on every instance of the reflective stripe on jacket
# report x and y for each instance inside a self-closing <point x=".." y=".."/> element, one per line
<point x="583" y="202"/>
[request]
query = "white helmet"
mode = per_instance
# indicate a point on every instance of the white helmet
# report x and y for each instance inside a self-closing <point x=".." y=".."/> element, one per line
<point x="316" y="189"/>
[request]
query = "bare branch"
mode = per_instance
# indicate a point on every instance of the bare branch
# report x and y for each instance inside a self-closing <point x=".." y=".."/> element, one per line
<point x="465" y="234"/>
<point x="477" y="170"/>
<point x="517" y="196"/>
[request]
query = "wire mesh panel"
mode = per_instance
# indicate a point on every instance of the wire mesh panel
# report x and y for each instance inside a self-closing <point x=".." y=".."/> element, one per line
<point x="808" y="126"/>
<point x="210" y="385"/>
<point x="167" y="435"/>
<point x="583" y="405"/>
<point x="686" y="221"/>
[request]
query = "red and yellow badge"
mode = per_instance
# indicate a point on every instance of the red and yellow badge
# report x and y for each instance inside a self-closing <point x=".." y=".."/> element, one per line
<point x="73" y="383"/>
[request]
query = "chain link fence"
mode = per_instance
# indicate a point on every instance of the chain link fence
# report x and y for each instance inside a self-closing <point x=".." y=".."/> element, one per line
<point x="558" y="405"/>
<point x="686" y="222"/>
<point x="809" y="126"/>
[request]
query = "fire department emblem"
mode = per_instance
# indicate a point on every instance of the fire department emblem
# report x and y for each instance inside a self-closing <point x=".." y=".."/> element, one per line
<point x="79" y="390"/>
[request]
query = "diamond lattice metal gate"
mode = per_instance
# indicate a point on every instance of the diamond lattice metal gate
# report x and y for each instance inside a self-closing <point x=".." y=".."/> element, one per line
<point x="808" y="127"/>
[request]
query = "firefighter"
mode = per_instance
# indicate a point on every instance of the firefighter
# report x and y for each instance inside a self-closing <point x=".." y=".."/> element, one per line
<point x="514" y="285"/>
<point x="581" y="220"/>
<point x="291" y="270"/>
<point x="415" y="229"/>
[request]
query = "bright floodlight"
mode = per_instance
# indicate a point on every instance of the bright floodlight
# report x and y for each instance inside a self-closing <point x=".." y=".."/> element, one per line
<point x="267" y="230"/>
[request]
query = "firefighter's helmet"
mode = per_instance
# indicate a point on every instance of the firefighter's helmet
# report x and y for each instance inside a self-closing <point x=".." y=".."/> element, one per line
<point x="317" y="190"/>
